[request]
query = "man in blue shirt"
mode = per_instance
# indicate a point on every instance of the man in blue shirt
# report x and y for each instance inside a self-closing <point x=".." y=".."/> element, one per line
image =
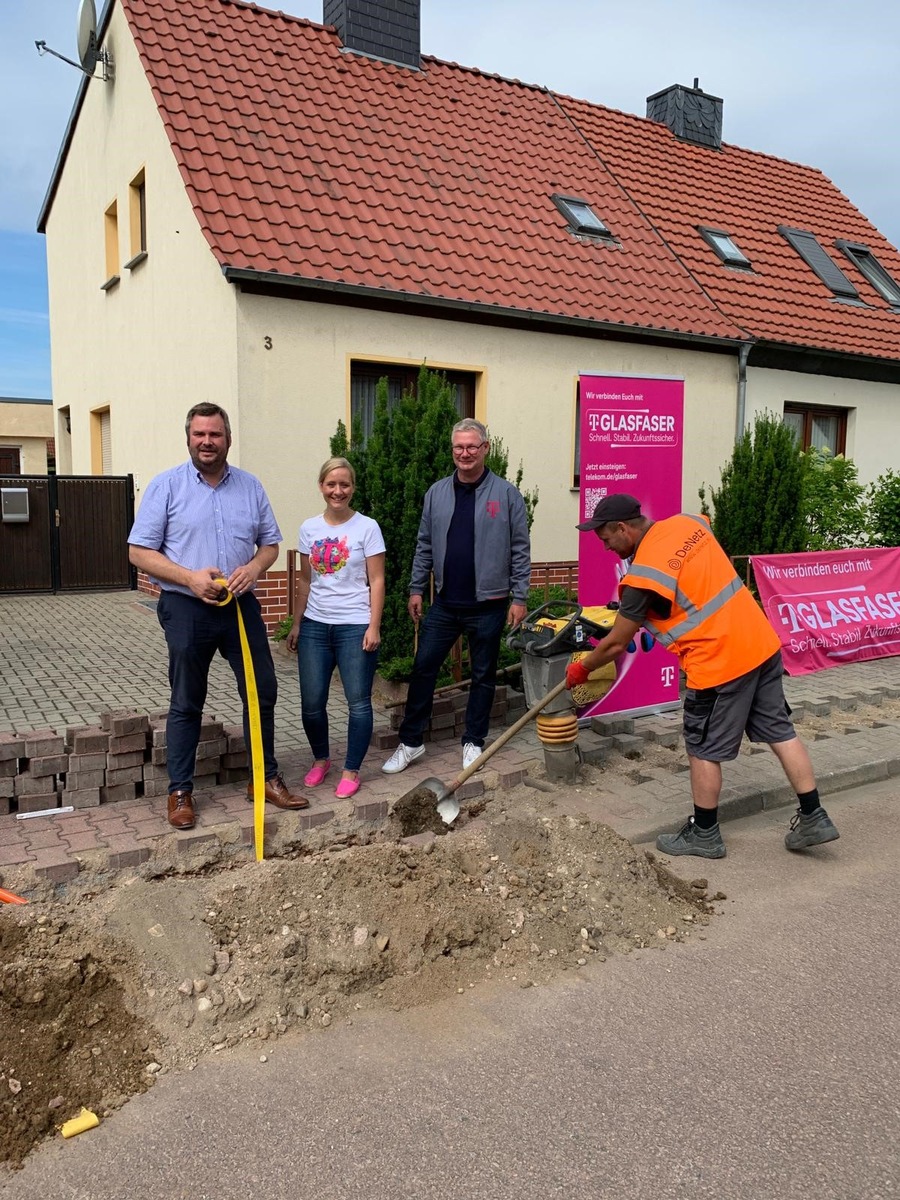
<point x="199" y="523"/>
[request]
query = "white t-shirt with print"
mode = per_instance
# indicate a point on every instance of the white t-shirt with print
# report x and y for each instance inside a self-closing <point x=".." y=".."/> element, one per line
<point x="339" y="589"/>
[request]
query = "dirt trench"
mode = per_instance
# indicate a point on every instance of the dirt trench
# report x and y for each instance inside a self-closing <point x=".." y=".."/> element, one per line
<point x="113" y="981"/>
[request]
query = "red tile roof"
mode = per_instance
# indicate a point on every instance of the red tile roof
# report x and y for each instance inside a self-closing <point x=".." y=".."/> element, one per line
<point x="681" y="186"/>
<point x="336" y="169"/>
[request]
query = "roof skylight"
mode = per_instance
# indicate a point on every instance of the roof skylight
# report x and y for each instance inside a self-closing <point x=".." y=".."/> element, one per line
<point x="726" y="248"/>
<point x="581" y="217"/>
<point x="863" y="258"/>
<point x="821" y="262"/>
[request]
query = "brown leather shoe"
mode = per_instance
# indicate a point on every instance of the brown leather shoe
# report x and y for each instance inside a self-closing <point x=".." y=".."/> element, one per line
<point x="181" y="810"/>
<point x="277" y="793"/>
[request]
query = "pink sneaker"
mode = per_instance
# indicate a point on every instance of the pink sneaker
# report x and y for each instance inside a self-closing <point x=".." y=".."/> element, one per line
<point x="346" y="788"/>
<point x="316" y="774"/>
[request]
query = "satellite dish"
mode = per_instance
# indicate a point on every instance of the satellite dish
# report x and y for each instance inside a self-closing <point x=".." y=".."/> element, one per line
<point x="87" y="35"/>
<point x="89" y="52"/>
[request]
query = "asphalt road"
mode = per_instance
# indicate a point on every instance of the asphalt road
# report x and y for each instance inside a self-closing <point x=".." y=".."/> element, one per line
<point x="760" y="1064"/>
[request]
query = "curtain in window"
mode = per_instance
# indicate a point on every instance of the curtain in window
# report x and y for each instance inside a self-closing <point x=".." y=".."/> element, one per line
<point x="363" y="383"/>
<point x="794" y="422"/>
<point x="824" y="433"/>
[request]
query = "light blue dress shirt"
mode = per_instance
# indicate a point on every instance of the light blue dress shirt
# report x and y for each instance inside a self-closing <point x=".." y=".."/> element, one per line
<point x="196" y="526"/>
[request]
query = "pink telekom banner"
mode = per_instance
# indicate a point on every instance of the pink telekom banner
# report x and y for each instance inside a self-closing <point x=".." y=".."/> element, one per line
<point x="833" y="607"/>
<point x="631" y="441"/>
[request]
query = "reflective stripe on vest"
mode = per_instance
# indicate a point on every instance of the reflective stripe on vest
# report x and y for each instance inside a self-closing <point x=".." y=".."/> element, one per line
<point x="653" y="575"/>
<point x="684" y="602"/>
<point x="694" y="616"/>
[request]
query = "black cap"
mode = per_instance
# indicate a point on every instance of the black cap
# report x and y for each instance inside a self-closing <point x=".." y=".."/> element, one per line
<point x="617" y="507"/>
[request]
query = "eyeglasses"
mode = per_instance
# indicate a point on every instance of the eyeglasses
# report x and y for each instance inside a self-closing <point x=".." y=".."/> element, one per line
<point x="468" y="449"/>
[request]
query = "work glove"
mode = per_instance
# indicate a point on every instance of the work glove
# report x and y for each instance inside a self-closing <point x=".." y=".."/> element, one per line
<point x="576" y="675"/>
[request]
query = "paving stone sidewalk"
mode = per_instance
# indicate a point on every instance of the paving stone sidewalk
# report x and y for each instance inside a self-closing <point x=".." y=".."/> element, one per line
<point x="65" y="660"/>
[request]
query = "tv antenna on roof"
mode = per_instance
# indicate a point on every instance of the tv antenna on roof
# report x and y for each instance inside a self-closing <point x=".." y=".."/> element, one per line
<point x="88" y="51"/>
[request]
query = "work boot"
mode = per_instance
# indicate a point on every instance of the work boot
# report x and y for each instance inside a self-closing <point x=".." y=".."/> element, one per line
<point x="181" y="809"/>
<point x="810" y="829"/>
<point x="691" y="839"/>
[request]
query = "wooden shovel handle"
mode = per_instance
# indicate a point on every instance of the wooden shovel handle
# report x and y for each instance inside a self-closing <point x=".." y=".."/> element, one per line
<point x="504" y="737"/>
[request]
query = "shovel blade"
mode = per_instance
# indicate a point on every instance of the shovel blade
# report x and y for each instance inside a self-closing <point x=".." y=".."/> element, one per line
<point x="448" y="810"/>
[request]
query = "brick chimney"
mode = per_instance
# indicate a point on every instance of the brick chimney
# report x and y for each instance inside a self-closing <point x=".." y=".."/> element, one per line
<point x="388" y="29"/>
<point x="690" y="113"/>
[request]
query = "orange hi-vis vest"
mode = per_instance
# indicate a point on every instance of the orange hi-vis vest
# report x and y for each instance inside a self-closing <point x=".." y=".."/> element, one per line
<point x="715" y="627"/>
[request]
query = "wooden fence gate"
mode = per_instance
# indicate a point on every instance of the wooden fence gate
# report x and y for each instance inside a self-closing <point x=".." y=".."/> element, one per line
<point x="75" y="535"/>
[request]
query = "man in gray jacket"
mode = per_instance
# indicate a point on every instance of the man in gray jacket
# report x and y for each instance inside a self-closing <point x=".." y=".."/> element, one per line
<point x="474" y="537"/>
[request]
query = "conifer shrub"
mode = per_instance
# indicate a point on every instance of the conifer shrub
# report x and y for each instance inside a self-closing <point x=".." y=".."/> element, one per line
<point x="758" y="506"/>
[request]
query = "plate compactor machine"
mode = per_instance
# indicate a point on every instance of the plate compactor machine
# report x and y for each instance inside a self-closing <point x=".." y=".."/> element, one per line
<point x="548" y="639"/>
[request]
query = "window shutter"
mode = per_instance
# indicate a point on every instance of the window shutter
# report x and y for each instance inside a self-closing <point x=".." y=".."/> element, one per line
<point x="105" y="444"/>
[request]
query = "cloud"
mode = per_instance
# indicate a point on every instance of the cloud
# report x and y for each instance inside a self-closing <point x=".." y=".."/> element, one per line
<point x="24" y="318"/>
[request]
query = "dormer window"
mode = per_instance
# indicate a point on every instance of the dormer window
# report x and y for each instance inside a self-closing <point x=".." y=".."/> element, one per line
<point x="726" y="248"/>
<point x="821" y="262"/>
<point x="863" y="258"/>
<point x="581" y="217"/>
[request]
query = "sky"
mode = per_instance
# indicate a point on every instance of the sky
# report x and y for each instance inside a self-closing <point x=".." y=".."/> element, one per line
<point x="811" y="82"/>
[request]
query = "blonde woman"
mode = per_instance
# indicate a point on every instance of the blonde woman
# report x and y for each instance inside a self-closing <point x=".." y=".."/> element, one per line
<point x="337" y="621"/>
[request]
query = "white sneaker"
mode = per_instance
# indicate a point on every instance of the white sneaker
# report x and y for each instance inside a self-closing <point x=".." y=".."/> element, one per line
<point x="470" y="753"/>
<point x="401" y="758"/>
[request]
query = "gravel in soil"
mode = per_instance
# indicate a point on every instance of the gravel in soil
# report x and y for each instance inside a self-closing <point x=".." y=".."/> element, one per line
<point x="114" y="981"/>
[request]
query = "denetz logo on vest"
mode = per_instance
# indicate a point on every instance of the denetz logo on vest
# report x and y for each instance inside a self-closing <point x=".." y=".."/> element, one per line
<point x="687" y="546"/>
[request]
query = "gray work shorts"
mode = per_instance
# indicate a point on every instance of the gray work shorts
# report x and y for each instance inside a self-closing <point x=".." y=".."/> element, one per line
<point x="715" y="719"/>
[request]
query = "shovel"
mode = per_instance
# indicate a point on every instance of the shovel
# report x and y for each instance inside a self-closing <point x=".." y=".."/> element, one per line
<point x="446" y="803"/>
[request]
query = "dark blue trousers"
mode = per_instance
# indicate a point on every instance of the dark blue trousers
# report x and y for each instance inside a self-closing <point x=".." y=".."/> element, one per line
<point x="194" y="632"/>
<point x="443" y="624"/>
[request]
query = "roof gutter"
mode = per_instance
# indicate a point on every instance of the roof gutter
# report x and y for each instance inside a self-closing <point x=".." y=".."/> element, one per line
<point x="743" y="355"/>
<point x="275" y="280"/>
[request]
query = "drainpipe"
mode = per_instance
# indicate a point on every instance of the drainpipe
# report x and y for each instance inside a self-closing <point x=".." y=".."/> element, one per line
<point x="743" y="355"/>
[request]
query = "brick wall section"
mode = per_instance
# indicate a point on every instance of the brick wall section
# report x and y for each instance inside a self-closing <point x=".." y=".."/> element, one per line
<point x="552" y="574"/>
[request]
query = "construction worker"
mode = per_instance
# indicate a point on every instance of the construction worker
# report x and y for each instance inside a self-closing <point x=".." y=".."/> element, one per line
<point x="681" y="587"/>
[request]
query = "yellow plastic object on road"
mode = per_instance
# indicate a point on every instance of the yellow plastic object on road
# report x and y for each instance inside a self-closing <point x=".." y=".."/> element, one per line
<point x="256" y="746"/>
<point x="87" y="1120"/>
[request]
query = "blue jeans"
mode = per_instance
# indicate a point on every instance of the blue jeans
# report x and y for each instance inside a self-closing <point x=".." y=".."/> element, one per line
<point x="443" y="624"/>
<point x="194" y="632"/>
<point x="321" y="648"/>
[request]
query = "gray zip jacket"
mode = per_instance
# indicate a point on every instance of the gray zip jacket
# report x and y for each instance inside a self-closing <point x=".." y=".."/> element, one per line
<point x="502" y="545"/>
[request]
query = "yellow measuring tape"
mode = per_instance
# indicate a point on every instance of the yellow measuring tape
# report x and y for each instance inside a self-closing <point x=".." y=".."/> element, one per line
<point x="258" y="773"/>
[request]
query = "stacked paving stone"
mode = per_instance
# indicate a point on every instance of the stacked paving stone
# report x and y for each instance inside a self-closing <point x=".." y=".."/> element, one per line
<point x="30" y="764"/>
<point x="448" y="716"/>
<point x="122" y="757"/>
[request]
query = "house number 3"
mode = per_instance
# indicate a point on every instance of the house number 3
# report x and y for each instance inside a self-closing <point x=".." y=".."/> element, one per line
<point x="267" y="342"/>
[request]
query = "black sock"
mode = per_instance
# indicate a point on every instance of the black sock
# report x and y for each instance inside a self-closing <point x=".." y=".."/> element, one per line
<point x="705" y="818"/>
<point x="809" y="801"/>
